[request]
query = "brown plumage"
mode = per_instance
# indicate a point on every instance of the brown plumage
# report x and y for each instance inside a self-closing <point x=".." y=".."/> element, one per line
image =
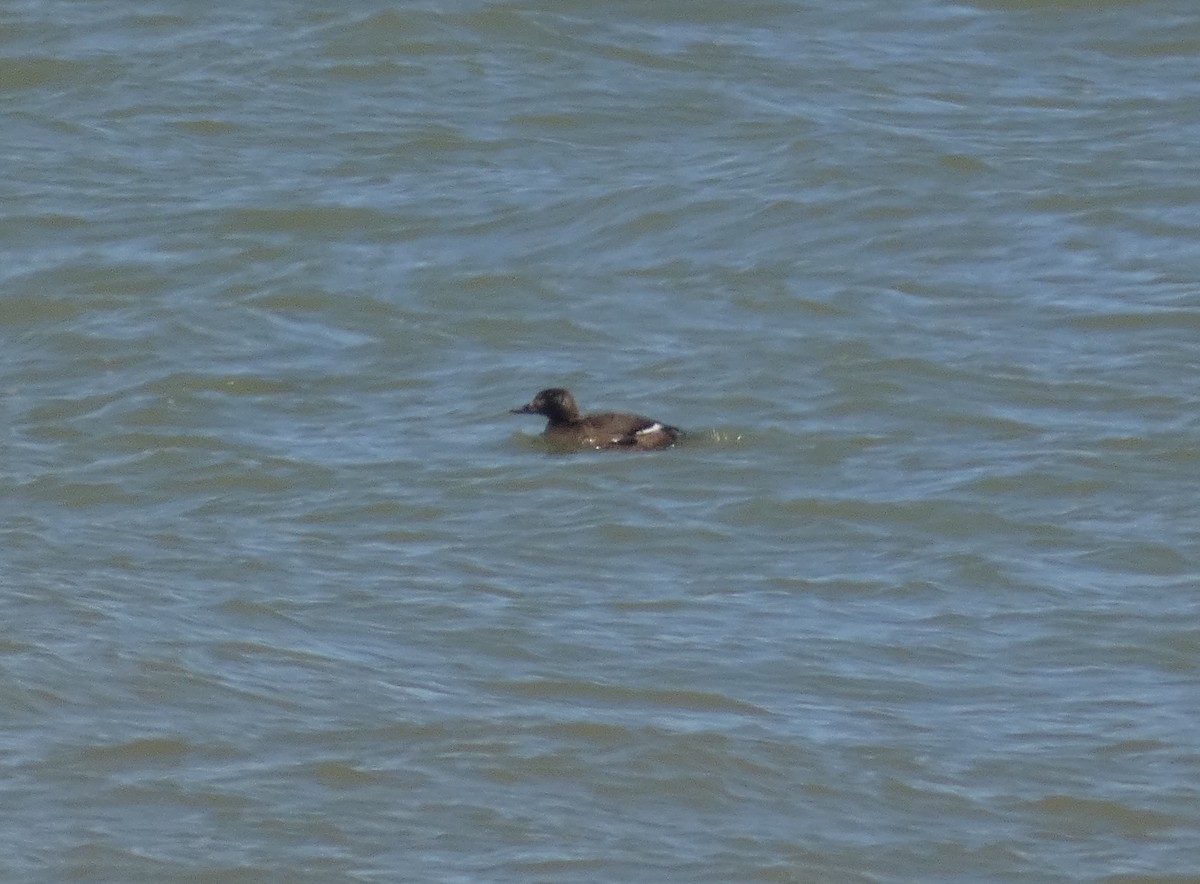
<point x="568" y="429"/>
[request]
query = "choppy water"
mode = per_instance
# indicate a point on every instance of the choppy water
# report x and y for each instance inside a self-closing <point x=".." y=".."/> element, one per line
<point x="287" y="595"/>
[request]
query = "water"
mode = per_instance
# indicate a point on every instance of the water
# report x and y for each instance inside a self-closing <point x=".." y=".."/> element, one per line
<point x="287" y="594"/>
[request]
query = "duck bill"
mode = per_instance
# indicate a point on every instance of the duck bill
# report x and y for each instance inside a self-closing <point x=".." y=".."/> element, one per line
<point x="524" y="409"/>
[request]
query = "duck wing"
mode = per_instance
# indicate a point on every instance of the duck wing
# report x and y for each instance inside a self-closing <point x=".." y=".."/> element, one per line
<point x="614" y="430"/>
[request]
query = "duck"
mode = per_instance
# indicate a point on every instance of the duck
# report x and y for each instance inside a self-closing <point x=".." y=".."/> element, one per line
<point x="605" y="430"/>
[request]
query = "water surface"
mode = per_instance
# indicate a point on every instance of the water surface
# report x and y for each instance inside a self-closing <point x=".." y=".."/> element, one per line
<point x="287" y="594"/>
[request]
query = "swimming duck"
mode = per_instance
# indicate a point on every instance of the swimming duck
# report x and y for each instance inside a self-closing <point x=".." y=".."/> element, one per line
<point x="609" y="429"/>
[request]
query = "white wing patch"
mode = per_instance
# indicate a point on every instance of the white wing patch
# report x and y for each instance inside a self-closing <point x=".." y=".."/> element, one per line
<point x="652" y="428"/>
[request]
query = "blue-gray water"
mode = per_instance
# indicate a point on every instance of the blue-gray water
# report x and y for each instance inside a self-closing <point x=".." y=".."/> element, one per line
<point x="287" y="594"/>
